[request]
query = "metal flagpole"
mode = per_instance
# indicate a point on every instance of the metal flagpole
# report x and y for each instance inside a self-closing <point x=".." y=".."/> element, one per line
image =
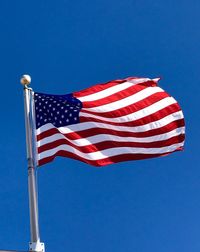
<point x="12" y="251"/>
<point x="35" y="244"/>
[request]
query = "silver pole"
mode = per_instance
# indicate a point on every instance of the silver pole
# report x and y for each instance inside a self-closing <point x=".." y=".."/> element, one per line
<point x="35" y="244"/>
<point x="12" y="251"/>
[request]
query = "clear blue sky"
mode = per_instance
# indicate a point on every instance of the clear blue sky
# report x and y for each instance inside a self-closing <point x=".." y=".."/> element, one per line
<point x="151" y="205"/>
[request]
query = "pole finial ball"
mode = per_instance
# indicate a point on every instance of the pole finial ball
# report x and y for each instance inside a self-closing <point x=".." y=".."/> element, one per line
<point x="25" y="79"/>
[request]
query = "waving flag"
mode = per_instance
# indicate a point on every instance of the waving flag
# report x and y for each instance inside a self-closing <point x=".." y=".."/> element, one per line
<point x="121" y="120"/>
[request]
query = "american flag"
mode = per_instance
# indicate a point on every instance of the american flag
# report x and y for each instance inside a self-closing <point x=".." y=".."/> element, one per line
<point x="120" y="120"/>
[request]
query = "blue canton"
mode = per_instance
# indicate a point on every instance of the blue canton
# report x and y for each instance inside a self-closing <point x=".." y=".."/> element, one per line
<point x="60" y="110"/>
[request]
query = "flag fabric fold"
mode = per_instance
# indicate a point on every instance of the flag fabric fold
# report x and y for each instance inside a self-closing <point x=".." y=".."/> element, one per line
<point x="120" y="120"/>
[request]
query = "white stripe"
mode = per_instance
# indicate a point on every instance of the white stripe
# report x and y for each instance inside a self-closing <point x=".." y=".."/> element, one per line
<point x="136" y="115"/>
<point x="107" y="137"/>
<point x="111" y="90"/>
<point x="109" y="152"/>
<point x="92" y="125"/>
<point x="126" y="101"/>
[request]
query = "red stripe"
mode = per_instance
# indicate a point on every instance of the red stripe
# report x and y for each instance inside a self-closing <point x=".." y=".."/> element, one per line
<point x="131" y="108"/>
<point x="112" y="144"/>
<point x="142" y="121"/>
<point x="96" y="131"/>
<point x="118" y="95"/>
<point x="97" y="88"/>
<point x="105" y="161"/>
<point x="102" y="86"/>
